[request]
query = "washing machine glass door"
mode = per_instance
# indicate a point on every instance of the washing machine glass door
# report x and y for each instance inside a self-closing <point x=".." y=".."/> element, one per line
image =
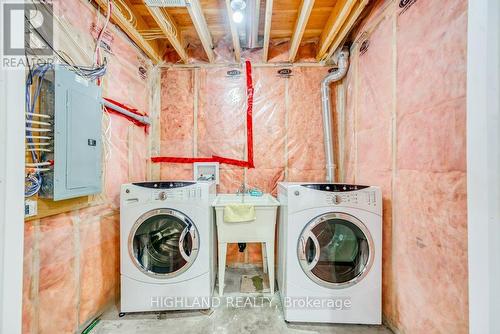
<point x="336" y="250"/>
<point x="163" y="243"/>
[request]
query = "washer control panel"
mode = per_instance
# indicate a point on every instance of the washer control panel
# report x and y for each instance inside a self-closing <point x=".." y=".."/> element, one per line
<point x="176" y="194"/>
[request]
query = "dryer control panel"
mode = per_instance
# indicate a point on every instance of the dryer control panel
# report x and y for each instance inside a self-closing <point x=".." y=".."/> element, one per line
<point x="301" y="196"/>
<point x="366" y="197"/>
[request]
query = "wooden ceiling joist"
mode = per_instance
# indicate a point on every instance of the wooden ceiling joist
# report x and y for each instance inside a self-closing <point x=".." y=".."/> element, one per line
<point x="132" y="32"/>
<point x="200" y="24"/>
<point x="169" y="28"/>
<point x="267" y="29"/>
<point x="338" y="16"/>
<point x="234" y="32"/>
<point x="300" y="26"/>
<point x="346" y="27"/>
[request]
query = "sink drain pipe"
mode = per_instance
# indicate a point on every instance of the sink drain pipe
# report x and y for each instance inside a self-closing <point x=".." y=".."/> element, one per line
<point x="338" y="74"/>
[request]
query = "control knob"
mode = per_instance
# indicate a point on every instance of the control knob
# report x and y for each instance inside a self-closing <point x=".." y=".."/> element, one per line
<point x="337" y="199"/>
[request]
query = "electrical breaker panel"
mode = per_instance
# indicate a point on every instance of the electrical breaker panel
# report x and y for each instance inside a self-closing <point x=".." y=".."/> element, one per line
<point x="76" y="107"/>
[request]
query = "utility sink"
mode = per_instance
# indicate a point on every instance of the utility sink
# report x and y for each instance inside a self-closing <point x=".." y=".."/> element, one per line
<point x="260" y="230"/>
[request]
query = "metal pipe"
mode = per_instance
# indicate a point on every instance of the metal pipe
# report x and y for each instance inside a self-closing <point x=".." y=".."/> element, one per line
<point x="252" y="26"/>
<point x="139" y="118"/>
<point x="338" y="74"/>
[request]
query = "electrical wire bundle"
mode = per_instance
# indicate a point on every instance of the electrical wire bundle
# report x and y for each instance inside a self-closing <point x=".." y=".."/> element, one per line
<point x="92" y="73"/>
<point x="34" y="179"/>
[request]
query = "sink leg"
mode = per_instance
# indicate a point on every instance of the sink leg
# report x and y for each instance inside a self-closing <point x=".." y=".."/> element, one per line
<point x="222" y="266"/>
<point x="270" y="264"/>
<point x="264" y="257"/>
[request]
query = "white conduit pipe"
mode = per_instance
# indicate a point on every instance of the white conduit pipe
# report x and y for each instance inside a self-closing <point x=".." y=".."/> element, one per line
<point x="142" y="119"/>
<point x="38" y="130"/>
<point x="38" y="164"/>
<point x="39" y="137"/>
<point x="37" y="115"/>
<point x="37" y="144"/>
<point x="28" y="121"/>
<point x="338" y="74"/>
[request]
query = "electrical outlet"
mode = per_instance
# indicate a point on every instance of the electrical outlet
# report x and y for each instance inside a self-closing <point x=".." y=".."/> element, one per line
<point x="30" y="208"/>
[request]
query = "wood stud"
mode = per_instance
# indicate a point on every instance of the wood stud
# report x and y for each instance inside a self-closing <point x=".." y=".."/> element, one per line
<point x="300" y="26"/>
<point x="132" y="32"/>
<point x="234" y="32"/>
<point x="168" y="26"/>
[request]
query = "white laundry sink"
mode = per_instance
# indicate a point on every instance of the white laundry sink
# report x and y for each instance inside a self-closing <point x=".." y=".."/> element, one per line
<point x="266" y="207"/>
<point x="260" y="230"/>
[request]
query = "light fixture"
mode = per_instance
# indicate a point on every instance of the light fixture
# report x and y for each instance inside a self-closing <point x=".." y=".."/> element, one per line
<point x="237" y="16"/>
<point x="238" y="6"/>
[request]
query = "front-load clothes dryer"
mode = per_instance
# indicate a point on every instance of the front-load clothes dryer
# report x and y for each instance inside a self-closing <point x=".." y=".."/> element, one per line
<point x="167" y="246"/>
<point x="330" y="253"/>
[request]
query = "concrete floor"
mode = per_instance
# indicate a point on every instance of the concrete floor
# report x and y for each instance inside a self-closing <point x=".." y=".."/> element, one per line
<point x="265" y="318"/>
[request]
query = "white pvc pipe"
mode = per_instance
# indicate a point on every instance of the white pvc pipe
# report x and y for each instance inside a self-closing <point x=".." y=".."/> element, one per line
<point x="141" y="119"/>
<point x="29" y="121"/>
<point x="37" y="115"/>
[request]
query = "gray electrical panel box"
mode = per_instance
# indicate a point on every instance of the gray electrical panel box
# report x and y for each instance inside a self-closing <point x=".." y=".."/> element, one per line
<point x="76" y="107"/>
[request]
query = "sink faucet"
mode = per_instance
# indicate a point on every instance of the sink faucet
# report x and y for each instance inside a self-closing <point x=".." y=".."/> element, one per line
<point x="242" y="190"/>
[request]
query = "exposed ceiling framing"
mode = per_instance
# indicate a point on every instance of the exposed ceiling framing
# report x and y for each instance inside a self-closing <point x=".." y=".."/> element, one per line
<point x="346" y="27"/>
<point x="205" y="24"/>
<point x="200" y="24"/>
<point x="300" y="26"/>
<point x="234" y="32"/>
<point x="337" y="18"/>
<point x="267" y="29"/>
<point x="169" y="28"/>
<point x="146" y="46"/>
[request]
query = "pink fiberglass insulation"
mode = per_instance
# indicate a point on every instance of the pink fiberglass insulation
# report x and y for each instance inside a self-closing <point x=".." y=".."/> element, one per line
<point x="373" y="133"/>
<point x="269" y="127"/>
<point x="431" y="182"/>
<point x="222" y="114"/>
<point x="71" y="260"/>
<point x="287" y="123"/>
<point x="177" y="119"/>
<point x="405" y="131"/>
<point x="305" y="149"/>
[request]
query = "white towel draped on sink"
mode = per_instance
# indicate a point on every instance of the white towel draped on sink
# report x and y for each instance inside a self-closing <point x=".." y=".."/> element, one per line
<point x="239" y="213"/>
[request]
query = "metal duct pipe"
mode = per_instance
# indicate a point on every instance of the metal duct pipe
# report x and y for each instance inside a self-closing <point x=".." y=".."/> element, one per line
<point x="252" y="26"/>
<point x="338" y="74"/>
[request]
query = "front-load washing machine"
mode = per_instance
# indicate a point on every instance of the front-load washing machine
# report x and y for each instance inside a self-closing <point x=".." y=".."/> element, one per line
<point x="330" y="253"/>
<point x="167" y="246"/>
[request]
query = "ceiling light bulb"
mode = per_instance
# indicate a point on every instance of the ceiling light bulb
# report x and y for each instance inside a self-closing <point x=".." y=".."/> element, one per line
<point x="238" y="17"/>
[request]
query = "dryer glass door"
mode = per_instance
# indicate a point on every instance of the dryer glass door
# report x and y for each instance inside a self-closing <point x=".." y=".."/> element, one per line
<point x="335" y="250"/>
<point x="163" y="243"/>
